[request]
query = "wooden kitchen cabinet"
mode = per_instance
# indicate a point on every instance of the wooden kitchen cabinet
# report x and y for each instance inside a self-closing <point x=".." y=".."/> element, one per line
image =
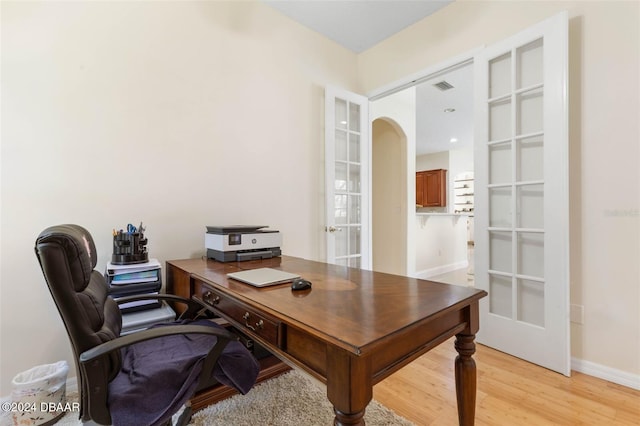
<point x="431" y="188"/>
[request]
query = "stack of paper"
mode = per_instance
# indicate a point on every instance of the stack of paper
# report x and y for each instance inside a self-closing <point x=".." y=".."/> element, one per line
<point x="135" y="279"/>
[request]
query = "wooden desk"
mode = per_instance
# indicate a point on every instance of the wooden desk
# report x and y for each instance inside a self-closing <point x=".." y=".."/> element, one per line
<point x="351" y="330"/>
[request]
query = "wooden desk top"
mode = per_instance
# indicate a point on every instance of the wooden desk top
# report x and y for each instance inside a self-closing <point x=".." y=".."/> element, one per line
<point x="341" y="299"/>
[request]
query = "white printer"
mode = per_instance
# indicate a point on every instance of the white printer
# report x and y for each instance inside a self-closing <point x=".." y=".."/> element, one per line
<point x="241" y="242"/>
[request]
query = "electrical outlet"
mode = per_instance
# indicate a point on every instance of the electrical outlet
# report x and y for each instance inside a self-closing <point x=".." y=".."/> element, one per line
<point x="576" y="314"/>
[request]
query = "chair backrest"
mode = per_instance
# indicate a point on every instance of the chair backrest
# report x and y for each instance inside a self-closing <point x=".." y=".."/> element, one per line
<point x="67" y="256"/>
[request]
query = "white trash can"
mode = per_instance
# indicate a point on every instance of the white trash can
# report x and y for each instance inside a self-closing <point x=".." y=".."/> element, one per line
<point x="38" y="395"/>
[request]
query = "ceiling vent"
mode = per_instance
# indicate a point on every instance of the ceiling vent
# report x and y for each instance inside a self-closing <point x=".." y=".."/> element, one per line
<point x="443" y="85"/>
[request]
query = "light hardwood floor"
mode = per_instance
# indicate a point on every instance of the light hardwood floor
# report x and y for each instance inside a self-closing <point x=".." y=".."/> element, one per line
<point x="509" y="392"/>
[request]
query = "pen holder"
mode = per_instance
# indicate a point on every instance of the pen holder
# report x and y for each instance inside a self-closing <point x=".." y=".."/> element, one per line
<point x="129" y="247"/>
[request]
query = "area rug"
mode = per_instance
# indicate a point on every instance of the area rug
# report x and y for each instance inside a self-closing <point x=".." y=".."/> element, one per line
<point x="291" y="399"/>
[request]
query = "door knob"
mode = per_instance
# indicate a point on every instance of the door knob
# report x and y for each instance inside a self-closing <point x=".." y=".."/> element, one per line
<point x="333" y="229"/>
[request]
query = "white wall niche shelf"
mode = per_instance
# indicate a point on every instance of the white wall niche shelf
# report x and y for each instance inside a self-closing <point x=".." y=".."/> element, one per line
<point x="463" y="193"/>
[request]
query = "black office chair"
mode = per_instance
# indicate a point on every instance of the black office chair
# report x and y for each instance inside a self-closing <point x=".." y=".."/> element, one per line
<point x="146" y="377"/>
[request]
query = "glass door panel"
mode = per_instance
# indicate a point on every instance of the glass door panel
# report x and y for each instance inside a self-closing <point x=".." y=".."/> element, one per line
<point x="529" y="112"/>
<point x="354" y="147"/>
<point x="500" y="295"/>
<point x="531" y="302"/>
<point x="500" y="120"/>
<point x="500" y="214"/>
<point x="341" y="145"/>
<point x="354" y="117"/>
<point x="354" y="240"/>
<point x="340" y="181"/>
<point x="355" y="180"/>
<point x="500" y="76"/>
<point x="531" y="206"/>
<point x="340" y="209"/>
<point x="500" y="170"/>
<point x="531" y="254"/>
<point x="530" y="159"/>
<point x="341" y="242"/>
<point x="354" y="210"/>
<point x="341" y="114"/>
<point x="529" y="69"/>
<point x="500" y="251"/>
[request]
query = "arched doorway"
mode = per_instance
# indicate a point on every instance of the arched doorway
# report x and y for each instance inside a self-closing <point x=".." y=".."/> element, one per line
<point x="389" y="196"/>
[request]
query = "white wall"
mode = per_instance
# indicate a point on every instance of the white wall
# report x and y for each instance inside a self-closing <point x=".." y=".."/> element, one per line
<point x="604" y="74"/>
<point x="178" y="114"/>
<point x="441" y="244"/>
<point x="437" y="160"/>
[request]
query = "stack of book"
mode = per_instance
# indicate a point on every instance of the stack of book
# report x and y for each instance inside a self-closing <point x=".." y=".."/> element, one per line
<point x="132" y="280"/>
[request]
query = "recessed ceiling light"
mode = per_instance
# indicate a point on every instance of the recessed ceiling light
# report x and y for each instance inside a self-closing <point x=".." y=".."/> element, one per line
<point x="449" y="109"/>
<point x="453" y="140"/>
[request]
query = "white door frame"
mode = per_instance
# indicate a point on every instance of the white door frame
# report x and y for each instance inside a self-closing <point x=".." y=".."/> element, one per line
<point x="396" y="86"/>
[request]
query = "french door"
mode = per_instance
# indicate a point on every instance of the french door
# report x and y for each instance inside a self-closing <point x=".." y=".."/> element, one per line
<point x="347" y="178"/>
<point x="522" y="209"/>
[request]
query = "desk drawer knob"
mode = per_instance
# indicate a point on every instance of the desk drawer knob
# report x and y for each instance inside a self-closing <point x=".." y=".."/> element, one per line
<point x="208" y="298"/>
<point x="259" y="324"/>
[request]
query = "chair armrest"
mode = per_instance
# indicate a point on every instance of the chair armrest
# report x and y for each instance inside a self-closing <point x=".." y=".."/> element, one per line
<point x="223" y="335"/>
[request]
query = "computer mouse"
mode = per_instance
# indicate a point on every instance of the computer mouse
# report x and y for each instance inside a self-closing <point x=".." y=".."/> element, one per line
<point x="300" y="284"/>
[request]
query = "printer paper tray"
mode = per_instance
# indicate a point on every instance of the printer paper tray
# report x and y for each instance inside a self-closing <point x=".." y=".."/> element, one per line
<point x="239" y="256"/>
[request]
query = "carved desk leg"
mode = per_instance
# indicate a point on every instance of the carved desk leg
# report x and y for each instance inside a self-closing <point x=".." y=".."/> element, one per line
<point x="349" y="386"/>
<point x="465" y="369"/>
<point x="342" y="419"/>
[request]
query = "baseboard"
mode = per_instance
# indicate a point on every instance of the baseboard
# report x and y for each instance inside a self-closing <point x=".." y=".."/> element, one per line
<point x="428" y="273"/>
<point x="606" y="373"/>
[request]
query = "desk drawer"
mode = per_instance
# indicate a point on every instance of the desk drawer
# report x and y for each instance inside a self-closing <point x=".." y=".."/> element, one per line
<point x="247" y="318"/>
